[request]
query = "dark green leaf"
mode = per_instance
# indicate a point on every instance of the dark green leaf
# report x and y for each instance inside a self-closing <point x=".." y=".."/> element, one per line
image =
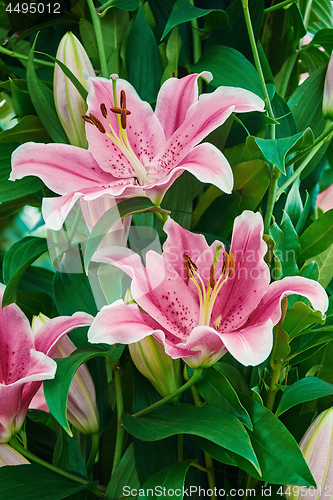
<point x="171" y="478"/>
<point x="317" y="237"/>
<point x="143" y="59"/>
<point x="227" y="431"/>
<point x="21" y="101"/>
<point x="300" y="317"/>
<point x="183" y="11"/>
<point x="18" y="258"/>
<point x="72" y="292"/>
<point x="34" y="482"/>
<point x="30" y="128"/>
<point x="287" y="247"/>
<point x="229" y="67"/>
<point x="42" y="99"/>
<point x="306" y="389"/>
<point x="56" y="390"/>
<point x="124" y="475"/>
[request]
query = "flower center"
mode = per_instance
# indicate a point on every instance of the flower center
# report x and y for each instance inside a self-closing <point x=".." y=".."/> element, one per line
<point x="120" y="139"/>
<point x="207" y="296"/>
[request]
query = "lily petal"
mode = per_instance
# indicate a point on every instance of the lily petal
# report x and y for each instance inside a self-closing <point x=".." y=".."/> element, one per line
<point x="174" y="99"/>
<point x="252" y="344"/>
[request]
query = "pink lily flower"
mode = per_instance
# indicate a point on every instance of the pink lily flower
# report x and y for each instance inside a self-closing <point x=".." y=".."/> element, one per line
<point x="133" y="150"/>
<point x="25" y="360"/>
<point x="199" y="300"/>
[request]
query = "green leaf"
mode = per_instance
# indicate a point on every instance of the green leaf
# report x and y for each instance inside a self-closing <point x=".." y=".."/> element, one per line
<point x="129" y="5"/>
<point x="321" y="15"/>
<point x="171" y="478"/>
<point x="294" y="204"/>
<point x="227" y="431"/>
<point x="277" y="151"/>
<point x="124" y="475"/>
<point x="325" y="264"/>
<point x="34" y="482"/>
<point x="323" y="38"/>
<point x="21" y="101"/>
<point x="216" y="390"/>
<point x="183" y="11"/>
<point x="72" y="292"/>
<point x="11" y="190"/>
<point x="32" y="303"/>
<point x="306" y="389"/>
<point x="30" y="128"/>
<point x="42" y="99"/>
<point x="56" y="390"/>
<point x="172" y="51"/>
<point x="300" y="317"/>
<point x="112" y="216"/>
<point x="143" y="59"/>
<point x="229" y="67"/>
<point x="16" y="261"/>
<point x="287" y="247"/>
<point x="317" y="237"/>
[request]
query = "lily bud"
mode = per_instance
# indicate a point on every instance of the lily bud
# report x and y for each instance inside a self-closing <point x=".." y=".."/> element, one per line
<point x="161" y="370"/>
<point x="82" y="410"/>
<point x="328" y="92"/>
<point x="316" y="446"/>
<point x="69" y="103"/>
<point x="9" y="456"/>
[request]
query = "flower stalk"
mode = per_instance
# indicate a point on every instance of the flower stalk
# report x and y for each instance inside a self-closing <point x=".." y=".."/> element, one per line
<point x="99" y="38"/>
<point x="120" y="411"/>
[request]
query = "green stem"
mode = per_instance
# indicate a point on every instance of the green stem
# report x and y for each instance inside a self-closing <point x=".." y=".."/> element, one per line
<point x="30" y="456"/>
<point x="24" y="58"/>
<point x="307" y="13"/>
<point x="257" y="60"/>
<point x="104" y="7"/>
<point x="99" y="38"/>
<point x="196" y="39"/>
<point x="208" y="459"/>
<point x="275" y="174"/>
<point x="278" y="6"/>
<point x="196" y="375"/>
<point x="93" y="451"/>
<point x="120" y="410"/>
<point x="298" y="172"/>
<point x="273" y="389"/>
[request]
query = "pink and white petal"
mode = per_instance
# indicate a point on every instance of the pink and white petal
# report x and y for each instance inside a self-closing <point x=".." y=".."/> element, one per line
<point x="209" y="345"/>
<point x="9" y="456"/>
<point x="165" y="297"/>
<point x="63" y="168"/>
<point x="41" y="368"/>
<point x="52" y="331"/>
<point x="251" y="345"/>
<point x="171" y="346"/>
<point x="204" y="116"/>
<point x="144" y="131"/>
<point x="10" y="400"/>
<point x="242" y="292"/>
<point x="55" y="210"/>
<point x="209" y="165"/>
<point x="38" y="402"/>
<point x="325" y="199"/>
<point x="174" y="99"/>
<point x="270" y="307"/>
<point x="119" y="323"/>
<point x="16" y="341"/>
<point x="180" y="242"/>
<point x="123" y="258"/>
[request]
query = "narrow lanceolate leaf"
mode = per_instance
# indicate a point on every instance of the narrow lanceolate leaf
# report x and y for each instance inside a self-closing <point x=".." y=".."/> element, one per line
<point x="226" y="431"/>
<point x="325" y="264"/>
<point x="34" y="482"/>
<point x="56" y="390"/>
<point x="131" y="206"/>
<point x="42" y="99"/>
<point x="16" y="261"/>
<point x="183" y="11"/>
<point x="317" y="237"/>
<point x="278" y="150"/>
<point x="306" y="389"/>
